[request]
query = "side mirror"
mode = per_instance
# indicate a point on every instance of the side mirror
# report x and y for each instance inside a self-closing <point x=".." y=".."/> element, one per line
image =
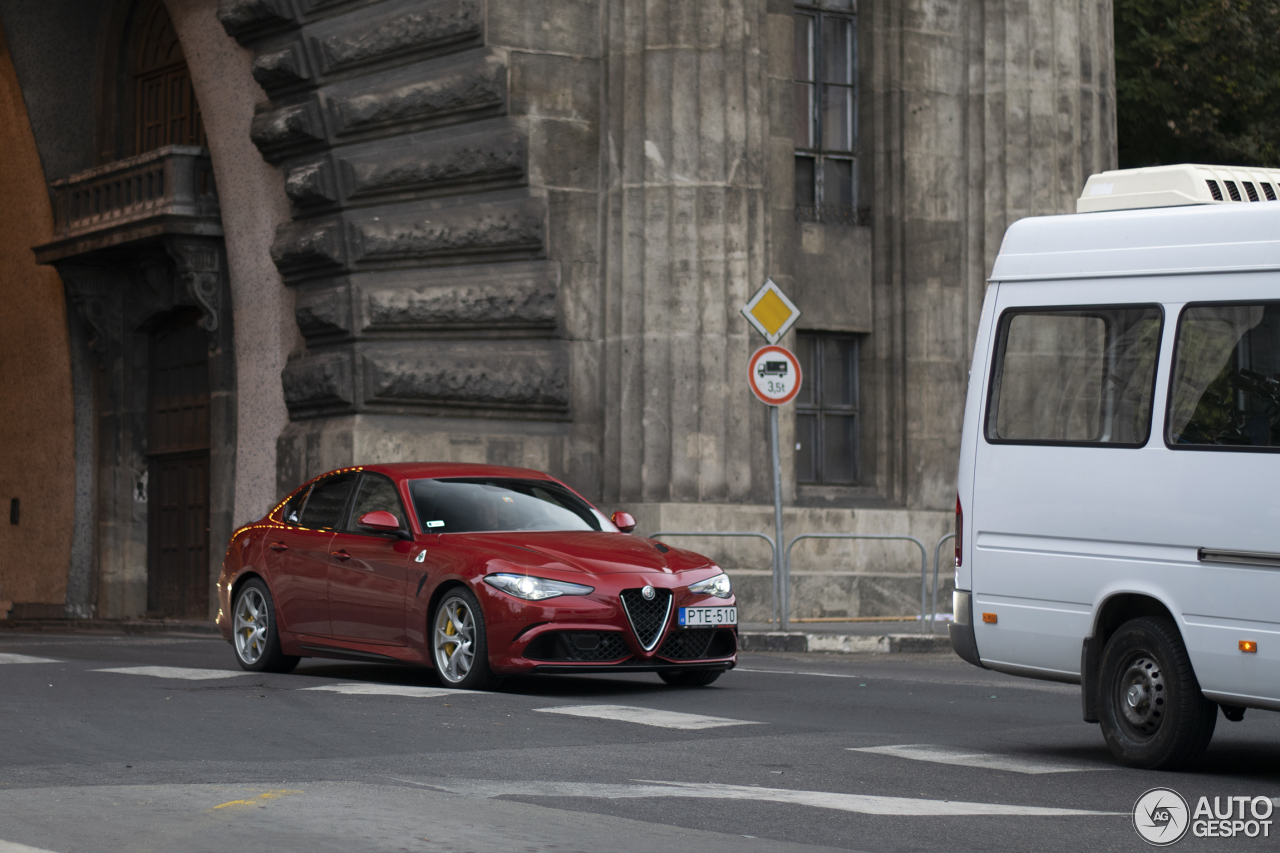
<point x="383" y="522"/>
<point x="624" y="521"/>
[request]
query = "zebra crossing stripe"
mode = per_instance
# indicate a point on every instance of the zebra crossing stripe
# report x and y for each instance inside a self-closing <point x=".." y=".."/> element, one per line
<point x="177" y="672"/>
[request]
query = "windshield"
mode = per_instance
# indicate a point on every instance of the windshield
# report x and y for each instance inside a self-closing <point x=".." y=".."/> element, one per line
<point x="481" y="504"/>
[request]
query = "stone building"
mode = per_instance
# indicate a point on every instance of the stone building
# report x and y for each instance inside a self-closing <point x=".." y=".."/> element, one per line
<point x="243" y="242"/>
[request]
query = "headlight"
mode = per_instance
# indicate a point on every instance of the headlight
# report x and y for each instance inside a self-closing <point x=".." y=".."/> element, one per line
<point x="535" y="589"/>
<point x="718" y="586"/>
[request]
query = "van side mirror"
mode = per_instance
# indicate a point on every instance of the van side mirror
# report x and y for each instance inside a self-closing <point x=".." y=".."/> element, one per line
<point x="623" y="521"/>
<point x="382" y="521"/>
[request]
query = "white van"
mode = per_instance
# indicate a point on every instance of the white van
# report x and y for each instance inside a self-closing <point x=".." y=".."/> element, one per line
<point x="1118" y="515"/>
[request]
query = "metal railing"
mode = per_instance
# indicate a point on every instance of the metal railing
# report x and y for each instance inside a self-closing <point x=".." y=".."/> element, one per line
<point x="780" y="611"/>
<point x="773" y="549"/>
<point x="937" y="549"/>
<point x="924" y="567"/>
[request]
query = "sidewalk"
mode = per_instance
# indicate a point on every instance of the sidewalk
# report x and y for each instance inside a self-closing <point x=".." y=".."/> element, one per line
<point x="846" y="637"/>
<point x="112" y="626"/>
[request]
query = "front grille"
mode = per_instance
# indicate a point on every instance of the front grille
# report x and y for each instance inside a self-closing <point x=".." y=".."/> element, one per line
<point x="698" y="644"/>
<point x="648" y="618"/>
<point x="587" y="646"/>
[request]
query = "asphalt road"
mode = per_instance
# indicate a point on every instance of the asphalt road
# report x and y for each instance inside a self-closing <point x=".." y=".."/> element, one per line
<point x="786" y="753"/>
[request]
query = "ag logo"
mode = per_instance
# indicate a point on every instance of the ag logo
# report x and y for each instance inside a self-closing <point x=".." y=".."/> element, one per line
<point x="1161" y="816"/>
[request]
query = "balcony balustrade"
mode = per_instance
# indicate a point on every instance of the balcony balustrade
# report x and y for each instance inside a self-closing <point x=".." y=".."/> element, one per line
<point x="166" y="191"/>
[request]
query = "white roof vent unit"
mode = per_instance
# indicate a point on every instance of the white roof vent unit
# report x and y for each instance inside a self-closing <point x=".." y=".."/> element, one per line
<point x="1171" y="186"/>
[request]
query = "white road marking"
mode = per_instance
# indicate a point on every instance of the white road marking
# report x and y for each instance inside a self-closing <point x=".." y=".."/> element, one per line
<point x="14" y="847"/>
<point x="646" y="716"/>
<point x="8" y="658"/>
<point x="182" y="672"/>
<point x="389" y="690"/>
<point x="969" y="758"/>
<point x="861" y="803"/>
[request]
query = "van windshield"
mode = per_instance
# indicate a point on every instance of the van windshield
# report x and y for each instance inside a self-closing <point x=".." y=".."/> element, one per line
<point x="1075" y="376"/>
<point x="1226" y="377"/>
<point x="481" y="504"/>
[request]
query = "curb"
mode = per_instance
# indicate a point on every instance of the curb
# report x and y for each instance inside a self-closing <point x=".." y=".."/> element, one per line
<point x="796" y="641"/>
<point x="112" y="626"/>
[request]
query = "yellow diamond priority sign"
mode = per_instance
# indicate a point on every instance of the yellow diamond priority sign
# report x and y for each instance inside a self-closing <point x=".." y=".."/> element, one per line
<point x="771" y="312"/>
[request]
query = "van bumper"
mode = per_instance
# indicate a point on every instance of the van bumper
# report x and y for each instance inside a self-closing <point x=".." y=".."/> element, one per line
<point x="961" y="628"/>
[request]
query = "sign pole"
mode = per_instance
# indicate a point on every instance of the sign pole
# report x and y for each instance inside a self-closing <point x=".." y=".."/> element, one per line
<point x="780" y="583"/>
<point x="774" y="377"/>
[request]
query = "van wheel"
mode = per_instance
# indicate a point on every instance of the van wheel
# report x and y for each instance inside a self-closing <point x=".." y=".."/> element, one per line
<point x="1152" y="712"/>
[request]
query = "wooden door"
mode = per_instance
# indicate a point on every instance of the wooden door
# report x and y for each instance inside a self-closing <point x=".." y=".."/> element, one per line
<point x="167" y="112"/>
<point x="178" y="442"/>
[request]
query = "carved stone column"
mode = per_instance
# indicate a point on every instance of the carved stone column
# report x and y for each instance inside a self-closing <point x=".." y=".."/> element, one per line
<point x="978" y="114"/>
<point x="688" y="241"/>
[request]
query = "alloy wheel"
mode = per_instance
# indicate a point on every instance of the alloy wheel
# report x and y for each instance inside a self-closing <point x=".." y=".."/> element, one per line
<point x="454" y="645"/>
<point x="250" y="626"/>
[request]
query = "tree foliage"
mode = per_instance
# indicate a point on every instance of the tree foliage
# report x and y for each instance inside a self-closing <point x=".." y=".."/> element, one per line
<point x="1198" y="81"/>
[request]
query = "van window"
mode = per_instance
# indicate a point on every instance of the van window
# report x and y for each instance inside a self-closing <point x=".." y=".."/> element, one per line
<point x="1074" y="376"/>
<point x="1226" y="377"/>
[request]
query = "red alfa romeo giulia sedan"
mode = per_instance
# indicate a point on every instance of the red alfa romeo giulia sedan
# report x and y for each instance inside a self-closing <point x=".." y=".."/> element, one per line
<point x="475" y="570"/>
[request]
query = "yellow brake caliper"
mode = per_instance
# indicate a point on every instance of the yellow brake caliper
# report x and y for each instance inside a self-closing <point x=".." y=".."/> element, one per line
<point x="450" y="630"/>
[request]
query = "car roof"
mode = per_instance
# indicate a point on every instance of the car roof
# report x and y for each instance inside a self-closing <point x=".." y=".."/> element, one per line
<point x="1156" y="241"/>
<point x="421" y="470"/>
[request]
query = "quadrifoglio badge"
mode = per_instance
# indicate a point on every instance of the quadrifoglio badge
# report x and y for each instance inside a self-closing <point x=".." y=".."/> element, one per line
<point x="1162" y="817"/>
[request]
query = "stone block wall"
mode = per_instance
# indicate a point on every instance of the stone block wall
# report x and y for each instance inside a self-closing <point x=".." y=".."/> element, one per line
<point x="440" y="161"/>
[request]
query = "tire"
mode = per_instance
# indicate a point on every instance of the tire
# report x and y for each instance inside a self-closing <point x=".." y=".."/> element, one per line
<point x="459" y="646"/>
<point x="1151" y="710"/>
<point x="253" y="631"/>
<point x="690" y="677"/>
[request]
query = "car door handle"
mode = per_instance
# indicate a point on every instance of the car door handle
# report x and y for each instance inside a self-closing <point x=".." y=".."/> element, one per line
<point x="340" y="555"/>
<point x="278" y="546"/>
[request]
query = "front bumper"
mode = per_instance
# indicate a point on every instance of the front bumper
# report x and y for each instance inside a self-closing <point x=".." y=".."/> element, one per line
<point x="653" y="666"/>
<point x="592" y="633"/>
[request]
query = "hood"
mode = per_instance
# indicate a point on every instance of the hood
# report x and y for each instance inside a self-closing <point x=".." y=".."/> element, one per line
<point x="591" y="552"/>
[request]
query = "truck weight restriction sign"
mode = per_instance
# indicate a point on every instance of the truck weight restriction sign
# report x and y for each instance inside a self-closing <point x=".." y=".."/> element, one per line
<point x="774" y="374"/>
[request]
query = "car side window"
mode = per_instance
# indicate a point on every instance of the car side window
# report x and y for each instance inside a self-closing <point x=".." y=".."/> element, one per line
<point x="1226" y="378"/>
<point x="1082" y="376"/>
<point x="323" y="510"/>
<point x="292" y="509"/>
<point x="377" y="494"/>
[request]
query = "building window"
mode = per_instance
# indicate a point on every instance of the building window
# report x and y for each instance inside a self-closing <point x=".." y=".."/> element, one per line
<point x="826" y="120"/>
<point x="827" y="410"/>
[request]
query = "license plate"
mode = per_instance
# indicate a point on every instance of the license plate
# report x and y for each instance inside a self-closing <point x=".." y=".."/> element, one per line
<point x="696" y="617"/>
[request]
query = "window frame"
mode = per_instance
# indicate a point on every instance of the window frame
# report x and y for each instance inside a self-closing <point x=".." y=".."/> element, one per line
<point x="349" y="511"/>
<point x="1173" y="362"/>
<point x="819" y="409"/>
<point x="821" y="210"/>
<point x="997" y="362"/>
